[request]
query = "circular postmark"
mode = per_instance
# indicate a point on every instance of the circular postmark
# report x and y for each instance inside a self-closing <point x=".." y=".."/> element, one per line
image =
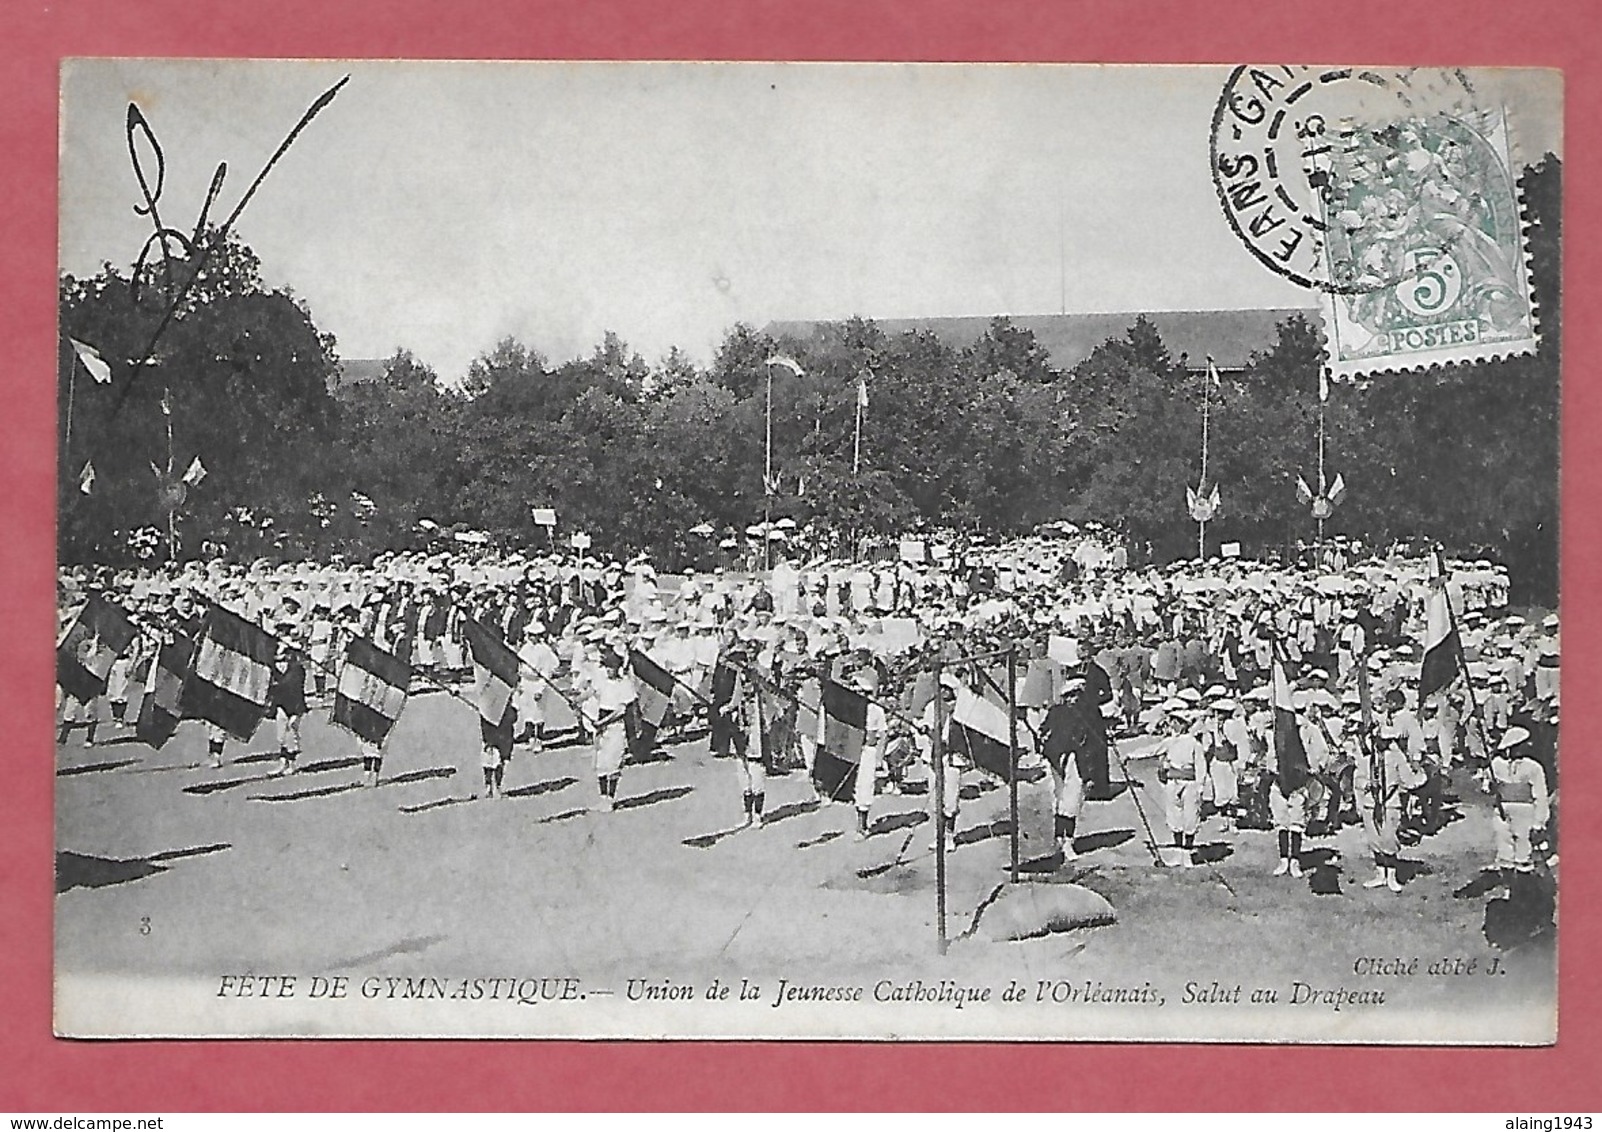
<point x="1317" y="169"/>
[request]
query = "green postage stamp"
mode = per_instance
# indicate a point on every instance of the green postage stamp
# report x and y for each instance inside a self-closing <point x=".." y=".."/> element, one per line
<point x="1424" y="228"/>
<point x="1394" y="196"/>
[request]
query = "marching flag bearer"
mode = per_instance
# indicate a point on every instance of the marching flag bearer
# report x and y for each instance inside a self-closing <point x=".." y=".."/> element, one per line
<point x="1072" y="737"/>
<point x="608" y="703"/>
<point x="745" y="712"/>
<point x="496" y="741"/>
<point x="867" y="682"/>
<point x="1518" y="785"/>
<point x="1380" y="780"/>
<point x="1288" y="797"/>
<point x="288" y="697"/>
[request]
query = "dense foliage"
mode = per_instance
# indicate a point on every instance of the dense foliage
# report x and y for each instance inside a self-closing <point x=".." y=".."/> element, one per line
<point x="989" y="437"/>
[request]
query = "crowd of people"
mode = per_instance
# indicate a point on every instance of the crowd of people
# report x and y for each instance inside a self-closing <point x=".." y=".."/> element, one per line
<point x="1282" y="698"/>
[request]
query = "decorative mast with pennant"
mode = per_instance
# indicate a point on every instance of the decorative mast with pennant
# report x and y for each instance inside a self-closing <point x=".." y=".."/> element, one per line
<point x="1323" y="500"/>
<point x="1203" y="504"/>
<point x="770" y="482"/>
<point x="171" y="488"/>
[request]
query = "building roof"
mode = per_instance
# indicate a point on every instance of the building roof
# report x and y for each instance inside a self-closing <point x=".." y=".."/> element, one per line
<point x="1230" y="337"/>
<point x="354" y="371"/>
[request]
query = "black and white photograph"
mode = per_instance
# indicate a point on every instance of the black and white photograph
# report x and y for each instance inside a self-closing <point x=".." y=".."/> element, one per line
<point x="888" y="551"/>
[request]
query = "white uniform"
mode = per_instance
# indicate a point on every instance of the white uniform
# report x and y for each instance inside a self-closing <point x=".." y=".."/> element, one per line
<point x="1520" y="784"/>
<point x="872" y="748"/>
<point x="609" y="697"/>
<point x="1182" y="766"/>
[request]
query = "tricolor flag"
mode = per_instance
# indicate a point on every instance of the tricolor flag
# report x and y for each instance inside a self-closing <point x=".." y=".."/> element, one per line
<point x="92" y="361"/>
<point x="1442" y="649"/>
<point x="1323" y="385"/>
<point x="845" y="730"/>
<point x="231" y="673"/>
<point x="371" y="691"/>
<point x="1336" y="489"/>
<point x="862" y="391"/>
<point x="979" y="727"/>
<point x="1290" y="757"/>
<point x="194" y="473"/>
<point x="654" y="688"/>
<point x="99" y="635"/>
<point x="86" y="478"/>
<point x="1212" y="373"/>
<point x="162" y="705"/>
<point x="1303" y="493"/>
<point x="787" y="362"/>
<point x="494" y="671"/>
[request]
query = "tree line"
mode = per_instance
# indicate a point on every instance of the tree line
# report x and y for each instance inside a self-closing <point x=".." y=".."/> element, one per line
<point x="987" y="437"/>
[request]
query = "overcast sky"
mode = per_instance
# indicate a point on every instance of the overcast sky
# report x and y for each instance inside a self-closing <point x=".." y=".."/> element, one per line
<point x="443" y="206"/>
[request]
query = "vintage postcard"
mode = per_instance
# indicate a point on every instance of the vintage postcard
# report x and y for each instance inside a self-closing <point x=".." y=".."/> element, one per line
<point x="815" y="551"/>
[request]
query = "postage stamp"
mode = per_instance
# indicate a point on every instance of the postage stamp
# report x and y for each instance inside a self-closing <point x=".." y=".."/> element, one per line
<point x="592" y="588"/>
<point x="1394" y="196"/>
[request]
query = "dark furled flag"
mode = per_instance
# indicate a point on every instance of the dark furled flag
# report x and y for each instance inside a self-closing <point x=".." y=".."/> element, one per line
<point x="845" y="730"/>
<point x="231" y="674"/>
<point x="1290" y="756"/>
<point x="920" y="693"/>
<point x="979" y="728"/>
<point x="495" y="668"/>
<point x="99" y="635"/>
<point x="162" y="705"/>
<point x="371" y="691"/>
<point x="654" y="687"/>
<point x="721" y="685"/>
<point x="1442" y="648"/>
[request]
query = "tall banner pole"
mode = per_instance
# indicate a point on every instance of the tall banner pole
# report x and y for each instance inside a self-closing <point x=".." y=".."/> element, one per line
<point x="856" y="448"/>
<point x="937" y="764"/>
<point x="1321" y="484"/>
<point x="767" y="473"/>
<point x="1201" y="490"/>
<point x="72" y="382"/>
<point x="172" y="512"/>
<point x="1012" y="751"/>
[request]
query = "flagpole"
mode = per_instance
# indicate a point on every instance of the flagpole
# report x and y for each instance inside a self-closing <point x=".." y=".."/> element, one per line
<point x="1012" y="750"/>
<point x="172" y="512"/>
<point x="1134" y="795"/>
<point x="1320" y="467"/>
<point x="72" y="382"/>
<point x="937" y="765"/>
<point x="856" y="450"/>
<point x="1462" y="661"/>
<point x="767" y="472"/>
<point x="1201" y="524"/>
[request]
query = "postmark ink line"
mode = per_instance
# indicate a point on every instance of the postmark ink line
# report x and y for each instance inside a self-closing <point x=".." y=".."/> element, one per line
<point x="207" y="246"/>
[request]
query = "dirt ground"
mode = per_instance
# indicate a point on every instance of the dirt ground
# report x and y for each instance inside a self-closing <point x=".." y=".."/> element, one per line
<point x="173" y="876"/>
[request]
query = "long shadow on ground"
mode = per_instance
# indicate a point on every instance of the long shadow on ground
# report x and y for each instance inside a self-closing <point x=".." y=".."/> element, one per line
<point x="83" y="870"/>
<point x="535" y="789"/>
<point x="302" y="795"/>
<point x="666" y="794"/>
<point x="94" y="768"/>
